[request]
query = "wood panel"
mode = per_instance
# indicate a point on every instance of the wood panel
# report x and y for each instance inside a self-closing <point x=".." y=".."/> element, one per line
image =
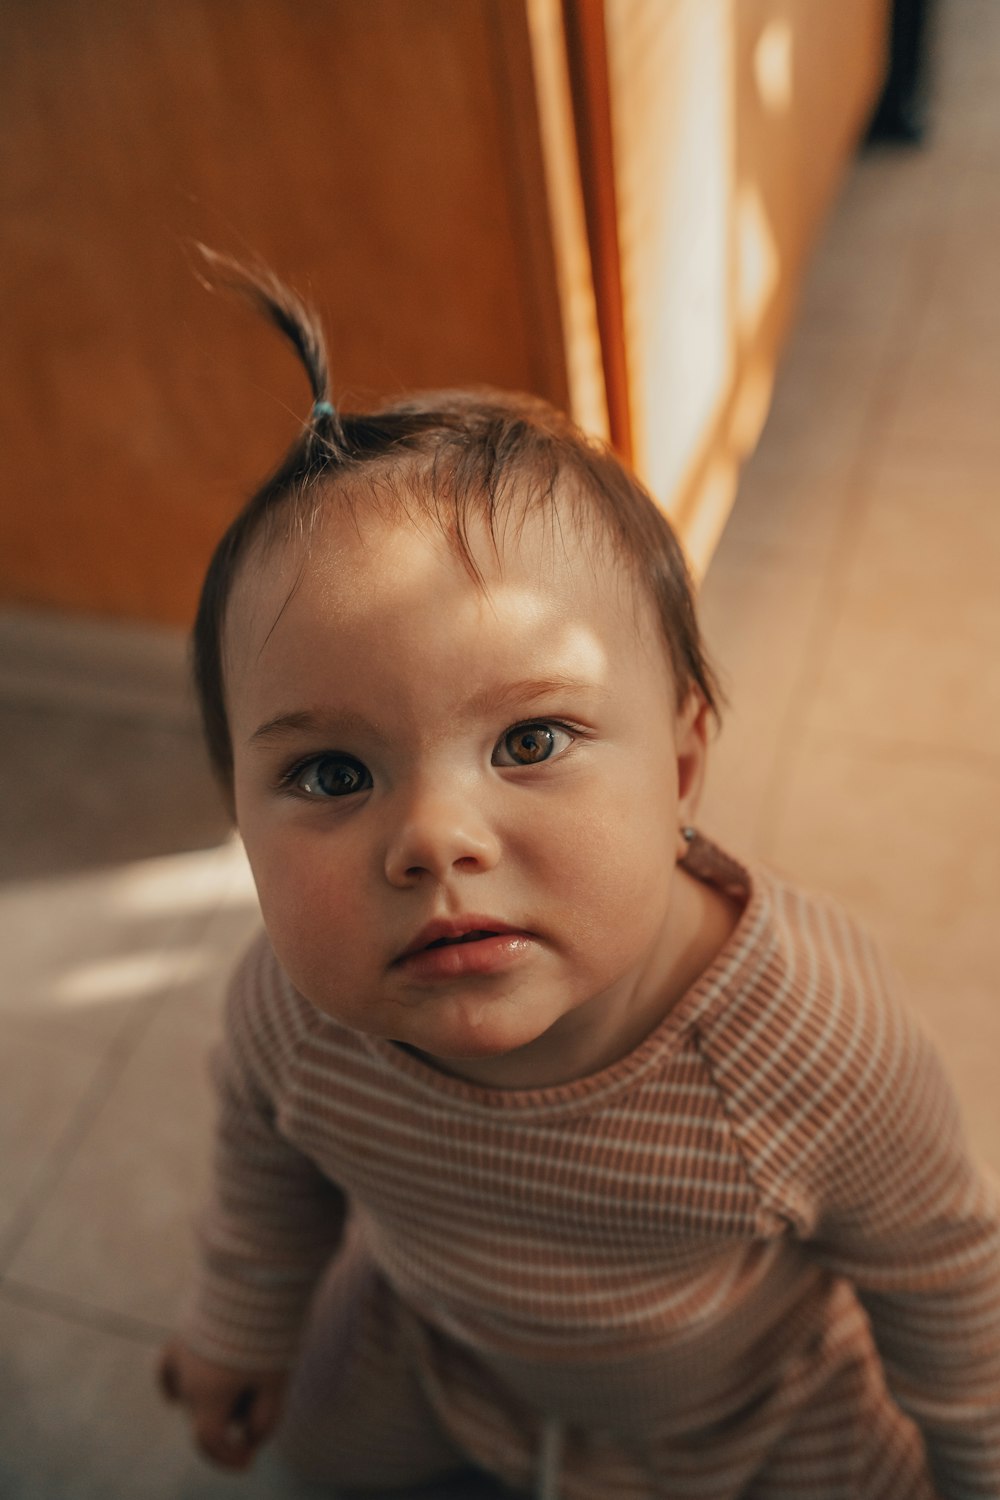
<point x="384" y="156"/>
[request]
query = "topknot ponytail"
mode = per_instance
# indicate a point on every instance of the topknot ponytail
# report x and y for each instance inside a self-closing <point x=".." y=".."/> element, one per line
<point x="300" y="325"/>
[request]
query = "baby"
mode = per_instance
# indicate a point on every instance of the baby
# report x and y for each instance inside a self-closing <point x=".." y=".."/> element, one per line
<point x="552" y="1143"/>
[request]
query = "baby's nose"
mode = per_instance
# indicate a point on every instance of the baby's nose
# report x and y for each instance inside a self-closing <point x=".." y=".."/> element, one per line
<point x="437" y="834"/>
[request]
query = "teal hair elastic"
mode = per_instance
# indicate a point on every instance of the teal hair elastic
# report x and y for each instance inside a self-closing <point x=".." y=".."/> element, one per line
<point x="322" y="409"/>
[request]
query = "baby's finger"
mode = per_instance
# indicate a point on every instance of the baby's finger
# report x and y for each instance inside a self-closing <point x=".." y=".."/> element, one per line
<point x="264" y="1413"/>
<point x="166" y="1376"/>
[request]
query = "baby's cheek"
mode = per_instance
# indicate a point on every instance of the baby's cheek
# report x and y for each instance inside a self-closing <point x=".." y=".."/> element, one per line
<point x="313" y="910"/>
<point x="612" y="867"/>
<point x="629" y="835"/>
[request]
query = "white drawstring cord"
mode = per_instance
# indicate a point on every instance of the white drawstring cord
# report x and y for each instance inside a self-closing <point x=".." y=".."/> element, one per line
<point x="549" y="1460"/>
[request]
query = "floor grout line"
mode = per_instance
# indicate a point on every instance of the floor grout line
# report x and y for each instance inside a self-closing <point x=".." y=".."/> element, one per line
<point x="85" y="1314"/>
<point x="59" y="1159"/>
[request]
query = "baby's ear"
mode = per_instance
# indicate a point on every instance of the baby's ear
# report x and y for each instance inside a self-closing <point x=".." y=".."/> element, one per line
<point x="694" y="722"/>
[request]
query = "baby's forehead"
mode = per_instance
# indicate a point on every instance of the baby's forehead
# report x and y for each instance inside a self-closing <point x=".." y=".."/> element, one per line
<point x="356" y="548"/>
<point x="351" y="559"/>
<point x="347" y="597"/>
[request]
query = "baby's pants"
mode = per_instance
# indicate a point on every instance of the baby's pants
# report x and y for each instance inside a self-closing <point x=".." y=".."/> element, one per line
<point x="361" y="1415"/>
<point x="356" y="1416"/>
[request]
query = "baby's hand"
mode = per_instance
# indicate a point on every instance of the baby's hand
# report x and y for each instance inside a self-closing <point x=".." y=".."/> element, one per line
<point x="232" y="1411"/>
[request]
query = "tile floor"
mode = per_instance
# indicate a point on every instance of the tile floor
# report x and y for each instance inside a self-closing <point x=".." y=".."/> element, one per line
<point x="854" y="605"/>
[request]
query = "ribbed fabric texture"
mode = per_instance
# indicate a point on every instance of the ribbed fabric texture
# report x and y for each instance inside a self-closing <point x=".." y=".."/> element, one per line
<point x="669" y="1258"/>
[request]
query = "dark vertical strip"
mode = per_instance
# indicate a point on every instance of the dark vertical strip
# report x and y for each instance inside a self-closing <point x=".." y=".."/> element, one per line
<point x="903" y="108"/>
<point x="587" y="54"/>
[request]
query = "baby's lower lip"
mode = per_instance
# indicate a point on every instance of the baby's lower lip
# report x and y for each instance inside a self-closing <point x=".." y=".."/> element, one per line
<point x="486" y="955"/>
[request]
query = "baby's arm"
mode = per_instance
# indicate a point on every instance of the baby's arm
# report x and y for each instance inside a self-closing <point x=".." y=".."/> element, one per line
<point x="852" y="1137"/>
<point x="911" y="1222"/>
<point x="272" y="1224"/>
<point x="902" y="1211"/>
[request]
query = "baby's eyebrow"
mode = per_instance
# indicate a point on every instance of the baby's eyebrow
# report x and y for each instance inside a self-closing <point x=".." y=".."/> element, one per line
<point x="495" y="698"/>
<point x="303" y="722"/>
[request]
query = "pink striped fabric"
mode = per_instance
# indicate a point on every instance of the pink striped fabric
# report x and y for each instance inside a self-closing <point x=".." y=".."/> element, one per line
<point x="704" y="1262"/>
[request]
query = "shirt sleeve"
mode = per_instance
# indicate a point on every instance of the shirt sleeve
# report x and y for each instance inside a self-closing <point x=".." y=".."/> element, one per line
<point x="907" y="1218"/>
<point x="853" y="1137"/>
<point x="894" y="1202"/>
<point x="272" y="1221"/>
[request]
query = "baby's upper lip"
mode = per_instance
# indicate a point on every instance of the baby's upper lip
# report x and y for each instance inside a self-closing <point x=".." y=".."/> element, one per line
<point x="445" y="929"/>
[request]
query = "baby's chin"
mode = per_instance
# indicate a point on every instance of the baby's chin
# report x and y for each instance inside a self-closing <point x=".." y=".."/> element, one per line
<point x="468" y="1031"/>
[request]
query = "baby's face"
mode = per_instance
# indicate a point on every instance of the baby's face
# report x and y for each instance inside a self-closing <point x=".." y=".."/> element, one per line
<point x="461" y="804"/>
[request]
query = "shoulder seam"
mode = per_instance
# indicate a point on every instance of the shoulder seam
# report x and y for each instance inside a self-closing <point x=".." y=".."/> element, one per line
<point x="769" y="1200"/>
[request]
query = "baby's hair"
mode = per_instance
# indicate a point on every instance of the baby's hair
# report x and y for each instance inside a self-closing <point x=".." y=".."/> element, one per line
<point x="460" y="455"/>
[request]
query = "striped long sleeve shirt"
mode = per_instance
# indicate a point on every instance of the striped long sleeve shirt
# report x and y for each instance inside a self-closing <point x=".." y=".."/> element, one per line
<point x="681" y="1247"/>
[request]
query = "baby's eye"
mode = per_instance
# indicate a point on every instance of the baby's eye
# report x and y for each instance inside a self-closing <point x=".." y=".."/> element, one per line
<point x="329" y="776"/>
<point x="529" y="744"/>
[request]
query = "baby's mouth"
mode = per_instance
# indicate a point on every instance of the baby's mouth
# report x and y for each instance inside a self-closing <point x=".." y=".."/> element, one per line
<point x="454" y="932"/>
<point x="466" y="937"/>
